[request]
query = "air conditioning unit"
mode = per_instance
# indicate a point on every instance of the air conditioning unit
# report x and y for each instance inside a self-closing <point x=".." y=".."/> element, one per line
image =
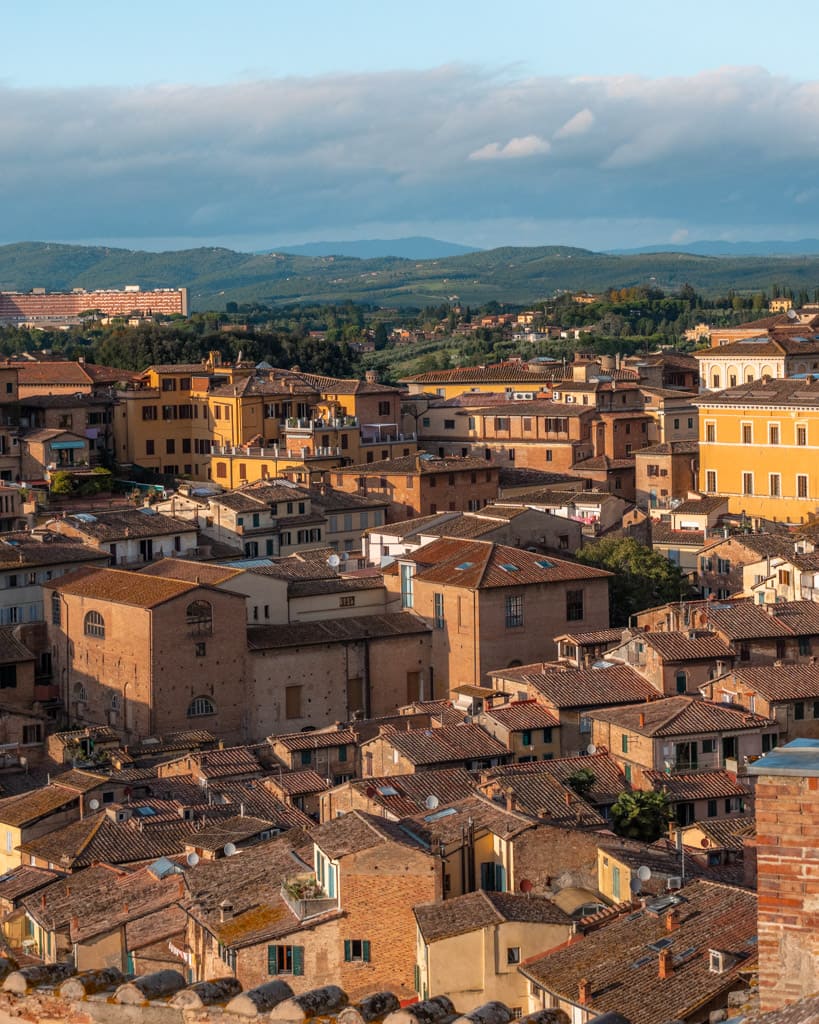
<point x="523" y="396"/>
<point x="675" y="882"/>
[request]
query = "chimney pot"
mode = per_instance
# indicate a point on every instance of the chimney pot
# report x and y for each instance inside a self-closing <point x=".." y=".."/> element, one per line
<point x="642" y="719"/>
<point x="672" y="920"/>
<point x="584" y="992"/>
<point x="664" y="963"/>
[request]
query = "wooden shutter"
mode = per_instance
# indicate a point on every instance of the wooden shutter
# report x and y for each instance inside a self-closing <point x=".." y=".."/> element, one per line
<point x="348" y="950"/>
<point x="272" y="959"/>
<point x="365" y="949"/>
<point x="298" y="960"/>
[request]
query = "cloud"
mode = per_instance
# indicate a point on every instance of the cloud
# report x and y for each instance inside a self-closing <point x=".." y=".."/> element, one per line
<point x="334" y="155"/>
<point x="579" y="124"/>
<point x="515" y="149"/>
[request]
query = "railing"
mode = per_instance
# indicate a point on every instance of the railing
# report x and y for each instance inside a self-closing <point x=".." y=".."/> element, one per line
<point x="389" y="439"/>
<point x="309" y="907"/>
<point x="340" y="423"/>
<point x="274" y="452"/>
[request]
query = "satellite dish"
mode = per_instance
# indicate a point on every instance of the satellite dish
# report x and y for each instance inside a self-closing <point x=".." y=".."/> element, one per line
<point x="192" y="859"/>
<point x="526" y="885"/>
<point x="94" y="804"/>
<point x="343" y="556"/>
<point x="334" y="561"/>
<point x="644" y="873"/>
<point x="230" y="849"/>
<point x="591" y="749"/>
<point x="431" y="802"/>
<point x="636" y="886"/>
<point x="792" y="314"/>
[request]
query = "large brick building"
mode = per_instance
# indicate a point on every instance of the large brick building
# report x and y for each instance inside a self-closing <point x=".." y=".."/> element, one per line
<point x="16" y="306"/>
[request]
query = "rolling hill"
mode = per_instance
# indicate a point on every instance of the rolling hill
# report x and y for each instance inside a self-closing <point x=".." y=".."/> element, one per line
<point x="509" y="275"/>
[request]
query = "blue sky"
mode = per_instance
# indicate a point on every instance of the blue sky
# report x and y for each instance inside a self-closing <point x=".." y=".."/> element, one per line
<point x="251" y="124"/>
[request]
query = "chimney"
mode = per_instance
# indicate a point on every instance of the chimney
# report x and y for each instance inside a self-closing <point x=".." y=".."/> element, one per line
<point x="125" y="908"/>
<point x="672" y="920"/>
<point x="664" y="963"/>
<point x="642" y="720"/>
<point x="568" y="798"/>
<point x="225" y="910"/>
<point x="584" y="992"/>
<point x="510" y="802"/>
<point x="75" y="924"/>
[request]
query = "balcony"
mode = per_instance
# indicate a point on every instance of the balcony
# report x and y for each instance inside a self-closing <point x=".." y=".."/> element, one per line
<point x="389" y="439"/>
<point x="275" y="452"/>
<point x="306" y="898"/>
<point x="295" y="424"/>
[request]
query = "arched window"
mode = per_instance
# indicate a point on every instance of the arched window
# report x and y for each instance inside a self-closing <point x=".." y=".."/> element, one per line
<point x="200" y="618"/>
<point x="94" y="625"/>
<point x="200" y="706"/>
<point x="80" y="693"/>
<point x="115" y="702"/>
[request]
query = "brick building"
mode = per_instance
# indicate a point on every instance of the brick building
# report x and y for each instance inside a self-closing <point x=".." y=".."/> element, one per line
<point x="16" y="306"/>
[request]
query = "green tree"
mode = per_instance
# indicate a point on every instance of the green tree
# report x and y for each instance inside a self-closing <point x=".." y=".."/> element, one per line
<point x="380" y="336"/>
<point x="642" y="814"/>
<point x="62" y="483"/>
<point x="581" y="781"/>
<point x="642" y="577"/>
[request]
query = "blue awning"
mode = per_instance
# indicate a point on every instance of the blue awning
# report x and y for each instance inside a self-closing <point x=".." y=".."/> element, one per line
<point x="57" y="446"/>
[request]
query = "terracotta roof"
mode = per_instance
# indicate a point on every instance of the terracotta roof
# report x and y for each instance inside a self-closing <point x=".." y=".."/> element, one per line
<point x="742" y="620"/>
<point x="446" y="744"/>
<point x="357" y="831"/>
<point x="156" y="928"/>
<point x="537" y="791"/>
<point x="478" y="565"/>
<point x="425" y="465"/>
<point x="523" y="714"/>
<point x="25" y="880"/>
<point x="339" y="585"/>
<point x="609" y="781"/>
<point x="229" y="830"/>
<point x="330" y="500"/>
<point x="803" y="1011"/>
<point x="315" y="739"/>
<point x="593" y="637"/>
<point x="662" y="533"/>
<point x="21" y="550"/>
<point x="677" y="646"/>
<point x="509" y="372"/>
<point x="191" y="572"/>
<point x="777" y="683"/>
<point x="680" y="716"/>
<point x="402" y="796"/>
<point x="476" y="910"/>
<point x="72" y="895"/>
<point x="12" y="649"/>
<point x="260" y="801"/>
<point x="79" y="781"/>
<point x="782" y="393"/>
<point x="127" y="523"/>
<point x="446" y="823"/>
<point x="332" y="631"/>
<point x="54" y="372"/>
<point x="727" y="833"/>
<point x="603" y="462"/>
<point x="686" y="786"/>
<point x="298" y="783"/>
<point x="225" y="762"/>
<point x="757" y="543"/>
<point x="622" y="970"/>
<point x="26" y="808"/>
<point x="121" y="586"/>
<point x="581" y="688"/>
<point x="669" y="448"/>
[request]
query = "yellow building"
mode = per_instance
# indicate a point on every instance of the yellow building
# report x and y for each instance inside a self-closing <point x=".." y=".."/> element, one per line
<point x="759" y="444"/>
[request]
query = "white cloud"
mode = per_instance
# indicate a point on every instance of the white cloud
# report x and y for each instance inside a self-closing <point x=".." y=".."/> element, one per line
<point x="515" y="149"/>
<point x="577" y="125"/>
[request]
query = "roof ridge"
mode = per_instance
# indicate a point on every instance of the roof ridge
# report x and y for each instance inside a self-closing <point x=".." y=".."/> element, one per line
<point x="91" y="835"/>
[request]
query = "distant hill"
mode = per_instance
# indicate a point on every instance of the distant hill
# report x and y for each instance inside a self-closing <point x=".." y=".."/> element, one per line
<point x="509" y="275"/>
<point x="803" y="247"/>
<point x="415" y="248"/>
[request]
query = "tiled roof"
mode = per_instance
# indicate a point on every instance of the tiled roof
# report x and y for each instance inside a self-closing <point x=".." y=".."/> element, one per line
<point x="25" y="808"/>
<point x="446" y="823"/>
<point x="510" y="372"/>
<point x="25" y="880"/>
<point x="780" y="682"/>
<point x="536" y="791"/>
<point x="678" y="646"/>
<point x="129" y="523"/>
<point x="513" y="477"/>
<point x="119" y="900"/>
<point x="79" y="781"/>
<point x="357" y="831"/>
<point x="229" y="830"/>
<point x="226" y="762"/>
<point x="727" y="833"/>
<point x="523" y="714"/>
<point x="191" y="572"/>
<point x="669" y="448"/>
<point x="330" y="501"/>
<point x="700" y="506"/>
<point x="609" y="781"/>
<point x="298" y="783"/>
<point x="260" y="801"/>
<point x="581" y="688"/>
<point x="803" y="1011"/>
<point x="316" y="739"/>
<point x="603" y="462"/>
<point x="72" y="895"/>
<point x="332" y="631"/>
<point x="783" y="393"/>
<point x="662" y="533"/>
<point x="339" y="585"/>
<point x="12" y="649"/>
<point x="593" y="637"/>
<point x="409" y="526"/>
<point x="54" y="372"/>
<point x="475" y="910"/>
<point x="478" y="565"/>
<point x="680" y="716"/>
<point x="742" y="620"/>
<point x="156" y="928"/>
<point x="21" y="550"/>
<point x="757" y="543"/>
<point x="426" y="465"/>
<point x="447" y="744"/>
<point x="402" y="796"/>
<point x="121" y="586"/>
<point x="344" y="386"/>
<point x="686" y="786"/>
<point x="622" y="971"/>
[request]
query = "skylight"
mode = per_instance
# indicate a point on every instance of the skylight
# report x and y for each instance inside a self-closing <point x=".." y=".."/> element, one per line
<point x="445" y="813"/>
<point x="509" y="567"/>
<point x="388" y="791"/>
<point x="544" y="563"/>
<point x="465" y="565"/>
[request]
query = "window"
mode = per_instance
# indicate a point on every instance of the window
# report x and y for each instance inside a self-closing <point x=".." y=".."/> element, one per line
<point x="201" y="706"/>
<point x="406" y="586"/>
<point x="585" y="724"/>
<point x="744" y="651"/>
<point x="285" y="960"/>
<point x="342" y="752"/>
<point x="149" y="412"/>
<point x="774" y="485"/>
<point x="94" y="625"/>
<point x="709" y="746"/>
<point x="356" y="951"/>
<point x="624" y="743"/>
<point x="449" y="424"/>
<point x="56" y="609"/>
<point x="170" y="446"/>
<point x="747" y="483"/>
<point x="292" y="702"/>
<point x="438" y="610"/>
<point x="306" y="757"/>
<point x="773" y="433"/>
<point x="199" y="616"/>
<point x="801" y="485"/>
<point x="799" y="710"/>
<point x="200" y="649"/>
<point x="32" y="734"/>
<point x="682" y="682"/>
<point x="710" y="432"/>
<point x="711" y="481"/>
<point x="513" y="954"/>
<point x="801" y="434"/>
<point x="347" y="601"/>
<point x="712" y="808"/>
<point x="8" y="677"/>
<point x="514" y="611"/>
<point x="574" y="605"/>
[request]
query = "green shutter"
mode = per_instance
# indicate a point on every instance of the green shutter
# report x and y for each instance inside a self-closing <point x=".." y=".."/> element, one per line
<point x="348" y="950"/>
<point x="272" y="959"/>
<point x="298" y="959"/>
<point x="417" y="979"/>
<point x="365" y="947"/>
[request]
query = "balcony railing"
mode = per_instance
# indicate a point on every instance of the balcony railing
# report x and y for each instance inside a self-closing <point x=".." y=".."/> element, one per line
<point x="275" y="452"/>
<point x="307" y="906"/>
<point x="302" y="424"/>
<point x="389" y="439"/>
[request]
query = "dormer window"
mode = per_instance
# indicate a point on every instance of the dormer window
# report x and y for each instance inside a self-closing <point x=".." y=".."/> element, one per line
<point x="717" y="961"/>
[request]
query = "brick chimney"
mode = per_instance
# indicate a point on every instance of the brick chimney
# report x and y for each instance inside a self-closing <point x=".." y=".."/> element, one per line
<point x="584" y="992"/>
<point x="672" y="920"/>
<point x="642" y="719"/>
<point x="664" y="963"/>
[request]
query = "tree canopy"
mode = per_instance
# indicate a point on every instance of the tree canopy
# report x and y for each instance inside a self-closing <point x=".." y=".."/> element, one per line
<point x="641" y="814"/>
<point x="642" y="577"/>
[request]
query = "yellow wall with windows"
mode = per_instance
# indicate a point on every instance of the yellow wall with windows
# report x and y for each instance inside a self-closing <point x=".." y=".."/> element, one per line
<point x="764" y="460"/>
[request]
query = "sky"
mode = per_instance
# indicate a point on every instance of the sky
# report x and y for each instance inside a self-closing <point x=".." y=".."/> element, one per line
<point x="258" y="123"/>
